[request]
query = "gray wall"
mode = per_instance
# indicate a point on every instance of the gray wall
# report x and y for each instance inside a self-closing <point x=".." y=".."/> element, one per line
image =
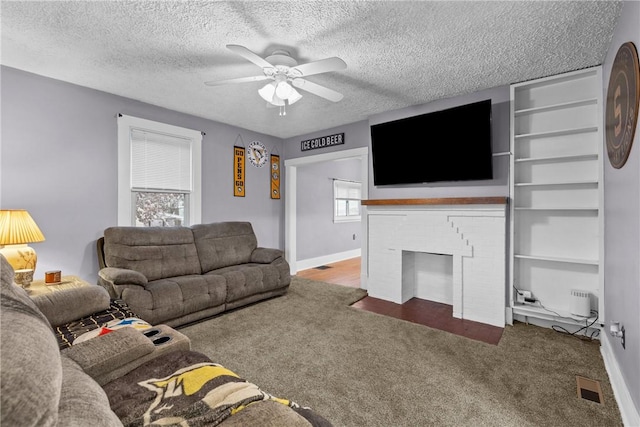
<point x="59" y="161"/>
<point x="317" y="234"/>
<point x="622" y="228"/>
<point x="499" y="186"/>
<point x="358" y="135"/>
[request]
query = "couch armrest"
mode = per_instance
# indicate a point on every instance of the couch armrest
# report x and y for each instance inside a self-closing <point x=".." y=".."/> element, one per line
<point x="265" y="255"/>
<point x="72" y="304"/>
<point x="100" y="355"/>
<point x="122" y="276"/>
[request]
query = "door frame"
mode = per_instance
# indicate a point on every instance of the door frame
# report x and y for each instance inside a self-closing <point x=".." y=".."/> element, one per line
<point x="290" y="215"/>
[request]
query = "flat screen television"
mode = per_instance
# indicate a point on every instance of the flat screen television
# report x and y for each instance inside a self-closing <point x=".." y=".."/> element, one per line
<point x="446" y="145"/>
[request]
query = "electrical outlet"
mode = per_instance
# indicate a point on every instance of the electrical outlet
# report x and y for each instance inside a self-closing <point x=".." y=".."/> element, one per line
<point x="617" y="330"/>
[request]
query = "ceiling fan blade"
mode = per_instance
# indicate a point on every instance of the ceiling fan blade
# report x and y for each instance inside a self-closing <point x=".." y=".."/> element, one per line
<point x="321" y="66"/>
<point x="238" y="80"/>
<point x="249" y="55"/>
<point x="318" y="90"/>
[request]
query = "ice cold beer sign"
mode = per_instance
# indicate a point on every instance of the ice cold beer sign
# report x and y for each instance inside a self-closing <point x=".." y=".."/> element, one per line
<point x="322" y="142"/>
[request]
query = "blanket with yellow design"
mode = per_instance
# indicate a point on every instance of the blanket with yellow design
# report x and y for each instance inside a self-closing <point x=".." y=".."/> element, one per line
<point x="187" y="389"/>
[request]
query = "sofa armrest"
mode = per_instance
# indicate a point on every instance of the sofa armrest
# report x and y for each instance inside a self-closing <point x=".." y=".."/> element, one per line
<point x="72" y="304"/>
<point x="100" y="355"/>
<point x="122" y="276"/>
<point x="265" y="255"/>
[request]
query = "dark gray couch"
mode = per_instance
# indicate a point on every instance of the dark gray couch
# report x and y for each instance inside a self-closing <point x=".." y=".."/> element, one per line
<point x="177" y="275"/>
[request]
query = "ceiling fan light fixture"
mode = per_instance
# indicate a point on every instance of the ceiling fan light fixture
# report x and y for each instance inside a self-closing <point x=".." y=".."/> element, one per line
<point x="277" y="101"/>
<point x="294" y="96"/>
<point x="283" y="90"/>
<point x="268" y="91"/>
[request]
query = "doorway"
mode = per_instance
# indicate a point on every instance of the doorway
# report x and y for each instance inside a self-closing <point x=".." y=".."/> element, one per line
<point x="291" y="181"/>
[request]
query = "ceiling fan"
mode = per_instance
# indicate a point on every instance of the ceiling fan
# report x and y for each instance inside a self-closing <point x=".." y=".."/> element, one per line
<point x="285" y="74"/>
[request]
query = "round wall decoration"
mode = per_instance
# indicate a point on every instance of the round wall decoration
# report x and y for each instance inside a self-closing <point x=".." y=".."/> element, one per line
<point x="257" y="154"/>
<point x="623" y="97"/>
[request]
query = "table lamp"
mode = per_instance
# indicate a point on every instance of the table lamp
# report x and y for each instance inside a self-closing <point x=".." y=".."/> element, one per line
<point x="17" y="228"/>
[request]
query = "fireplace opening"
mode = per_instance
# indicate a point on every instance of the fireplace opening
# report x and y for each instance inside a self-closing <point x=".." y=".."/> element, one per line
<point x="428" y="276"/>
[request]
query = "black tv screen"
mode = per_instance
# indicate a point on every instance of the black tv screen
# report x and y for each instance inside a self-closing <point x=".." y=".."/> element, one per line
<point x="447" y="145"/>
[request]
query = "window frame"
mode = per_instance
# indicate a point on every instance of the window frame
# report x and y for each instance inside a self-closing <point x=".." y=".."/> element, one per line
<point x="346" y="218"/>
<point x="126" y="194"/>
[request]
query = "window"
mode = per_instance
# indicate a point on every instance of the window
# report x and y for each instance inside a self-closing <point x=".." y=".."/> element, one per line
<point x="158" y="173"/>
<point x="346" y="200"/>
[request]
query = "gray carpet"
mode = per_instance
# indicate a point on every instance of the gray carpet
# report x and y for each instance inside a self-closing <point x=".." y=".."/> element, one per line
<point x="362" y="369"/>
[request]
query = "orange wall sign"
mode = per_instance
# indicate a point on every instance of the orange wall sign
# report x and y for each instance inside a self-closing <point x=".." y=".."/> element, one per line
<point x="275" y="176"/>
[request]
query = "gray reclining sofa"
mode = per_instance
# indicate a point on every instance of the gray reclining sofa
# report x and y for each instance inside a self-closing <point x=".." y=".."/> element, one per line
<point x="178" y="275"/>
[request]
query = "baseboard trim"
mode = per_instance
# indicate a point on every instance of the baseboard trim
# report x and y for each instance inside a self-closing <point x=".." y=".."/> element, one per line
<point x="327" y="259"/>
<point x="628" y="411"/>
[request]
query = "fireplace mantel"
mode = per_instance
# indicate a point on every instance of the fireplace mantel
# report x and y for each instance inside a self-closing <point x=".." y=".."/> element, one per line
<point x="437" y="201"/>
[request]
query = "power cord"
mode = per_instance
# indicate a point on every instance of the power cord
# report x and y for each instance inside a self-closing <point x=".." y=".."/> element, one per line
<point x="585" y="328"/>
<point x="562" y="330"/>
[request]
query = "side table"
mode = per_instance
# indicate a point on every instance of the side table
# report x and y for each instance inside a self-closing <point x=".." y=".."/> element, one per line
<point x="38" y="287"/>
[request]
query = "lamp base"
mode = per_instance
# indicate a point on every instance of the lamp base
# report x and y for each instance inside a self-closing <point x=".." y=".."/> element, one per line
<point x="23" y="277"/>
<point x="23" y="259"/>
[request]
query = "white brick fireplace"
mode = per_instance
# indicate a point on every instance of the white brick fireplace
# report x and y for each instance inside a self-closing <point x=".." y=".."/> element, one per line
<point x="446" y="250"/>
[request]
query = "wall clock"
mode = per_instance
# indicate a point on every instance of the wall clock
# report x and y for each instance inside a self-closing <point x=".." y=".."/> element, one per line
<point x="257" y="154"/>
<point x="623" y="96"/>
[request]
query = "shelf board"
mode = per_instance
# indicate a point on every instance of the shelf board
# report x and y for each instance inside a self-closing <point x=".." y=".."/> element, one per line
<point x="558" y="259"/>
<point x="559" y="315"/>
<point x="557" y="208"/>
<point x="559" y="132"/>
<point x="559" y="106"/>
<point x="541" y="184"/>
<point x="558" y="158"/>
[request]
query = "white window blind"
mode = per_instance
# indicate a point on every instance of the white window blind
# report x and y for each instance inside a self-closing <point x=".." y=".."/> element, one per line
<point x="159" y="173"/>
<point x="347" y="190"/>
<point x="346" y="196"/>
<point x="160" y="162"/>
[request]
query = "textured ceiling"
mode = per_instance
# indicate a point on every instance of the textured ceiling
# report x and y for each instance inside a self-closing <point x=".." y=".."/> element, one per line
<point x="397" y="53"/>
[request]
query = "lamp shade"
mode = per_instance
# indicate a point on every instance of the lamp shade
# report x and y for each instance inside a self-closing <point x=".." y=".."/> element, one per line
<point x="17" y="227"/>
<point x="268" y="91"/>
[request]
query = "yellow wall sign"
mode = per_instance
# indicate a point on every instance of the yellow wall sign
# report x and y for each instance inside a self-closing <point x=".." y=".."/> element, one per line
<point x="275" y="176"/>
<point x="238" y="171"/>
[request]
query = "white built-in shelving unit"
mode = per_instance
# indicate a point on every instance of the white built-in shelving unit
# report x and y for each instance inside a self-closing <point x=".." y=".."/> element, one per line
<point x="556" y="194"/>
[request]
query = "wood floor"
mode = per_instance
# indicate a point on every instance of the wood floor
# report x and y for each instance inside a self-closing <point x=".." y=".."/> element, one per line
<point x="428" y="313"/>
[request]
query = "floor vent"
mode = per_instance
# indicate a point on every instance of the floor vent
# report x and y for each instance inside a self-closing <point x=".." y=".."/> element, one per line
<point x="322" y="267"/>
<point x="589" y="390"/>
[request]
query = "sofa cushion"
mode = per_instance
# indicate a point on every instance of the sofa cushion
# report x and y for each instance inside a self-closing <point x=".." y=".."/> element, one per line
<point x="71" y="304"/>
<point x="249" y="279"/>
<point x="175" y="297"/>
<point x="97" y="357"/>
<point x="82" y="401"/>
<point x="156" y="252"/>
<point x="30" y="367"/>
<point x="66" y="334"/>
<point x="223" y="244"/>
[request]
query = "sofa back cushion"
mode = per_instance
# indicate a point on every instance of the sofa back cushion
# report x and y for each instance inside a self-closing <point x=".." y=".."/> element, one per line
<point x="223" y="244"/>
<point x="156" y="252"/>
<point x="30" y="367"/>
